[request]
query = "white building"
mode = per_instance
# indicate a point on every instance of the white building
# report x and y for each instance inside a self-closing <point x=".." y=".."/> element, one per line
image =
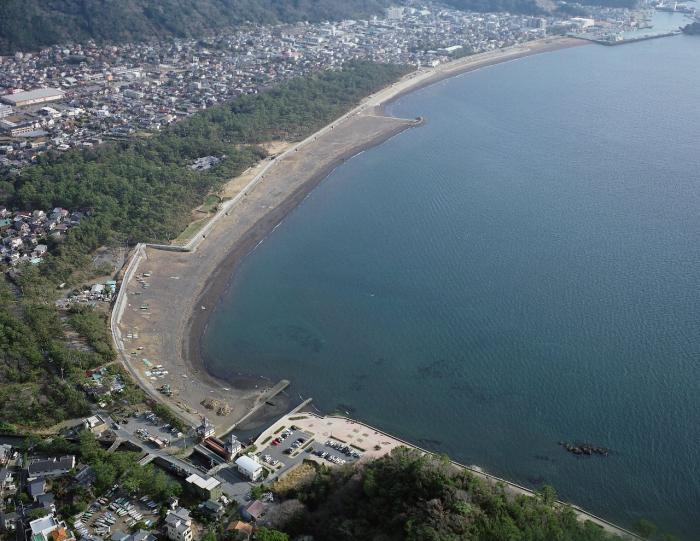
<point x="582" y="22"/>
<point x="48" y="528"/>
<point x="233" y="446"/>
<point x="249" y="467"/>
<point x="95" y="424"/>
<point x="178" y="525"/>
<point x="32" y="97"/>
<point x="394" y="12"/>
<point x="206" y="486"/>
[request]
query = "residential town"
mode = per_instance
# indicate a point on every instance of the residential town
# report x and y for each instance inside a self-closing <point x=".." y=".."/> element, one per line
<point x="24" y="234"/>
<point x="217" y="482"/>
<point x="76" y="96"/>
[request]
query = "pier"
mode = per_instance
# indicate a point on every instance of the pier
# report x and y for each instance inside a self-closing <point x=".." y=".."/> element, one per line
<point x="619" y="40"/>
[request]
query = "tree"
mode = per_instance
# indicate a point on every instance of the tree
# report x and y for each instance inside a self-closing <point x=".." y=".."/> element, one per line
<point x="645" y="528"/>
<point x="267" y="534"/>
<point x="256" y="492"/>
<point x="209" y="536"/>
<point x="547" y="494"/>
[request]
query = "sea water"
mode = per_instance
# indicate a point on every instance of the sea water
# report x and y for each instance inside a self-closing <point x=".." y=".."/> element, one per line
<point x="522" y="270"/>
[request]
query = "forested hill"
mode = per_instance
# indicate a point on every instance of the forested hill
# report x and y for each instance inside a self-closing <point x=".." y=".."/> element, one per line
<point x="27" y="25"/>
<point x="408" y="496"/>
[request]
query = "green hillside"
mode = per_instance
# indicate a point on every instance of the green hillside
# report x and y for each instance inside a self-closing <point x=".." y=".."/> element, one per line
<point x="406" y="496"/>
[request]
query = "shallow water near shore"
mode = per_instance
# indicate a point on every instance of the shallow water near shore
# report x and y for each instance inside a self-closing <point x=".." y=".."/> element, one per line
<point x="521" y="270"/>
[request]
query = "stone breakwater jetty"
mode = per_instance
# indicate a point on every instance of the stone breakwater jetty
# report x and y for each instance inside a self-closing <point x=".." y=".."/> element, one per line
<point x="584" y="449"/>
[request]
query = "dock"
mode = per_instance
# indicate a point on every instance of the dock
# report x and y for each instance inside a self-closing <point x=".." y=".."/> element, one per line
<point x="609" y="41"/>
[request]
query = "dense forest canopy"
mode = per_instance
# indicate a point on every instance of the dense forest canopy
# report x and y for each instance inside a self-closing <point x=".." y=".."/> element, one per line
<point x="414" y="497"/>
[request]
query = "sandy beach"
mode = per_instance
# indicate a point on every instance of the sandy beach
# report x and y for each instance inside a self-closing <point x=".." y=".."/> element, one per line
<point x="163" y="323"/>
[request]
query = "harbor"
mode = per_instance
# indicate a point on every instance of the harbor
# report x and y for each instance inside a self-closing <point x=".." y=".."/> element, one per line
<point x="620" y="39"/>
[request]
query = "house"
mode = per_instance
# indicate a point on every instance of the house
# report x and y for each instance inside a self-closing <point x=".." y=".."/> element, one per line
<point x="37" y="488"/>
<point x="141" y="535"/>
<point x="178" y="525"/>
<point x="206" y="487"/>
<point x="5" y="453"/>
<point x="14" y="243"/>
<point x="46" y="501"/>
<point x="95" y="424"/>
<point x="8" y="521"/>
<point x="51" y="467"/>
<point x="7" y="480"/>
<point x="249" y="468"/>
<point x="253" y="511"/>
<point x="97" y="289"/>
<point x="241" y="530"/>
<point x="85" y="475"/>
<point x="211" y="509"/>
<point x="49" y="529"/>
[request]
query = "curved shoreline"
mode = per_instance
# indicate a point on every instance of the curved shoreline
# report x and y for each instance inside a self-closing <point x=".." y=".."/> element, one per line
<point x="169" y="319"/>
<point x="183" y="324"/>
<point x="220" y="279"/>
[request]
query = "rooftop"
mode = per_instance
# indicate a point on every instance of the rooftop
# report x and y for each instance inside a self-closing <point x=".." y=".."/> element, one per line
<point x="206" y="484"/>
<point x="247" y="463"/>
<point x="37" y="93"/>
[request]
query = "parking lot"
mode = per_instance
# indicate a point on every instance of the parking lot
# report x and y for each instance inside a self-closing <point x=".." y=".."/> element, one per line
<point x="110" y="514"/>
<point x="286" y="449"/>
<point x="149" y="426"/>
<point x="336" y="452"/>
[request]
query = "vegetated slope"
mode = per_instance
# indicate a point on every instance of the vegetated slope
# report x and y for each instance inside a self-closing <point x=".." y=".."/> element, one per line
<point x="27" y="25"/>
<point x="410" y="496"/>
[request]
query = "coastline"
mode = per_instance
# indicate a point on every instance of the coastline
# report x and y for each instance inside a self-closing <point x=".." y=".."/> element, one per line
<point x="220" y="278"/>
<point x="215" y="274"/>
<point x="471" y="63"/>
<point x="188" y="281"/>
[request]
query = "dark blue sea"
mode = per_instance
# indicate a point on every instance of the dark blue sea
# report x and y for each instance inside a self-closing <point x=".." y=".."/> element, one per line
<point x="521" y="270"/>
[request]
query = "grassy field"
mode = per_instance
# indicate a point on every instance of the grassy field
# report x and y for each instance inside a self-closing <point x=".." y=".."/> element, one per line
<point x="210" y="204"/>
<point x="190" y="231"/>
